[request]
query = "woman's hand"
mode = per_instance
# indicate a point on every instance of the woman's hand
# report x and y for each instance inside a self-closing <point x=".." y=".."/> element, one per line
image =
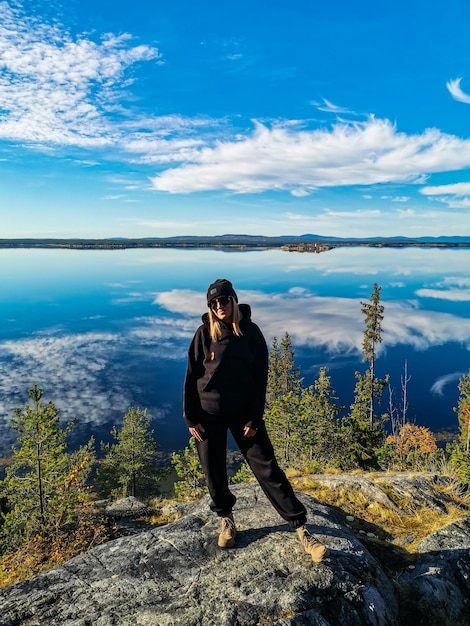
<point x="249" y="432"/>
<point x="197" y="432"/>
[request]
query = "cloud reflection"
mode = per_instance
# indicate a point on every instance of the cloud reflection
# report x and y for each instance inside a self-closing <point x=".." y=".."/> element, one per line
<point x="96" y="376"/>
<point x="335" y="323"/>
<point x="90" y="375"/>
<point x="438" y="387"/>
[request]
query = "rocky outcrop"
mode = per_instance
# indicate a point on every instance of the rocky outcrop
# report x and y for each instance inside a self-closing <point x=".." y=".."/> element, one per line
<point x="439" y="583"/>
<point x="175" y="575"/>
<point x="126" y="507"/>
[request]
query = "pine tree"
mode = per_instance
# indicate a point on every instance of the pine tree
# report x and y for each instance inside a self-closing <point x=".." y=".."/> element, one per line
<point x="283" y="375"/>
<point x="303" y="427"/>
<point x="323" y="422"/>
<point x="289" y="375"/>
<point x="129" y="464"/>
<point x="460" y="451"/>
<point x="282" y="423"/>
<point x="274" y="369"/>
<point x="189" y="470"/>
<point x="243" y="474"/>
<point x="463" y="411"/>
<point x="282" y="397"/>
<point x="374" y="314"/>
<point x="360" y="439"/>
<point x="361" y="429"/>
<point x="45" y="485"/>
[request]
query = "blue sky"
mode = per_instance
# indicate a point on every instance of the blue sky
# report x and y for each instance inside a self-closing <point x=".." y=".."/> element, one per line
<point x="346" y="118"/>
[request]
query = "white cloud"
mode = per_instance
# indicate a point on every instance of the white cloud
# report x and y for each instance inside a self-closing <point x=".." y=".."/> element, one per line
<point x="354" y="215"/>
<point x="455" y="196"/>
<point x="72" y="369"/>
<point x="459" y="281"/>
<point x="406" y="212"/>
<point x="453" y="203"/>
<point x="63" y="89"/>
<point x="284" y="158"/>
<point x="329" y="107"/>
<point x="297" y="216"/>
<point x="301" y="193"/>
<point x="59" y="89"/>
<point x="56" y="88"/>
<point x="456" y="92"/>
<point x="183" y="301"/>
<point x="396" y="198"/>
<point x="456" y="189"/>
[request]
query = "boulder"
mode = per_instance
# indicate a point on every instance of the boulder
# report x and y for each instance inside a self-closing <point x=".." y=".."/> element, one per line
<point x="441" y="575"/>
<point x="126" y="507"/>
<point x="176" y="575"/>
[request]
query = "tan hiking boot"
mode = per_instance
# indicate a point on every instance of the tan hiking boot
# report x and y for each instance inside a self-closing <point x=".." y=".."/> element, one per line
<point x="311" y="546"/>
<point x="227" y="532"/>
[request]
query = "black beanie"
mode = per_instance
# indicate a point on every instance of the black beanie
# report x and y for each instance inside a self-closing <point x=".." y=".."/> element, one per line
<point x="221" y="287"/>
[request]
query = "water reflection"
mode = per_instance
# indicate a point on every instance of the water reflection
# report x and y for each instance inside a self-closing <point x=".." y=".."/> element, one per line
<point x="100" y="331"/>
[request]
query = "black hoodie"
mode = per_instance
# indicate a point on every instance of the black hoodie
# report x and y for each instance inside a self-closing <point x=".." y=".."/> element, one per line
<point x="227" y="378"/>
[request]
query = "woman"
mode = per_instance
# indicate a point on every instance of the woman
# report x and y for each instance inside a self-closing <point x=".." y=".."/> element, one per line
<point x="225" y="388"/>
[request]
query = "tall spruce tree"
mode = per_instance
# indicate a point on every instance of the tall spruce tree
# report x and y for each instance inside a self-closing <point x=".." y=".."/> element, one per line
<point x="283" y="375"/>
<point x="128" y="467"/>
<point x="44" y="485"/>
<point x="282" y="422"/>
<point x="303" y="427"/>
<point x="272" y="389"/>
<point x="360" y="439"/>
<point x="361" y="429"/>
<point x="289" y="375"/>
<point x="283" y="397"/>
<point x="323" y="423"/>
<point x="460" y="450"/>
<point x="463" y="411"/>
<point x="373" y="312"/>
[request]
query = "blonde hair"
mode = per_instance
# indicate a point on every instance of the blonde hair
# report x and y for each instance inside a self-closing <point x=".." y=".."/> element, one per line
<point x="215" y="326"/>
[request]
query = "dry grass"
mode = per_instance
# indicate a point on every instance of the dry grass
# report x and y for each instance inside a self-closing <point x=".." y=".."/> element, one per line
<point x="417" y="520"/>
<point x="293" y="473"/>
<point x="164" y="510"/>
<point x="456" y="492"/>
<point x="40" y="554"/>
<point x="23" y="565"/>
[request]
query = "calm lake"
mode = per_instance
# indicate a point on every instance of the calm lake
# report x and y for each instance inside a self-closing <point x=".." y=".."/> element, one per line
<point x="100" y="331"/>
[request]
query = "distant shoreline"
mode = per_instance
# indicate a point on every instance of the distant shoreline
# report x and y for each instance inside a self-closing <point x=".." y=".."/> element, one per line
<point x="306" y="243"/>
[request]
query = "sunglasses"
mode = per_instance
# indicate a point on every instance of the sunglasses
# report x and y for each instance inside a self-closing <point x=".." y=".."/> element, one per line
<point x="222" y="301"/>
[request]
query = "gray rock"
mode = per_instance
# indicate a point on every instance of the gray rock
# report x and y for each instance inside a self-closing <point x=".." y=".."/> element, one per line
<point x="126" y="507"/>
<point x="441" y="576"/>
<point x="176" y="576"/>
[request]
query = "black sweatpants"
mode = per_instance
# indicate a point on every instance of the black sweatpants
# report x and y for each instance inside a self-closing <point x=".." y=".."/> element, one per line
<point x="259" y="454"/>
